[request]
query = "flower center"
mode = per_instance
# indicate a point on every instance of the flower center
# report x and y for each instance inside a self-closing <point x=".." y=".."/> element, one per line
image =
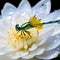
<point x="24" y="39"/>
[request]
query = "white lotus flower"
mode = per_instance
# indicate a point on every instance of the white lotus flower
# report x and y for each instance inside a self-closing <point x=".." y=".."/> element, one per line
<point x="43" y="44"/>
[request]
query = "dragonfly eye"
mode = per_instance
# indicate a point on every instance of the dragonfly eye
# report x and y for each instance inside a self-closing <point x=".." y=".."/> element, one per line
<point x="17" y="27"/>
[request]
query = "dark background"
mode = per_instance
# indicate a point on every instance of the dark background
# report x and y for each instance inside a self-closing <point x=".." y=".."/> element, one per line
<point x="55" y="6"/>
<point x="55" y="3"/>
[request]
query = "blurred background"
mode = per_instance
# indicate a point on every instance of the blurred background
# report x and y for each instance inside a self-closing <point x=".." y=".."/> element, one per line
<point x="55" y="6"/>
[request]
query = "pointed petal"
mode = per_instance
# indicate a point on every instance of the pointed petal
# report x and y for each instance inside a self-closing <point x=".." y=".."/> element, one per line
<point x="42" y="8"/>
<point x="48" y="55"/>
<point x="52" y="16"/>
<point x="38" y="51"/>
<point x="52" y="42"/>
<point x="25" y="9"/>
<point x="17" y="55"/>
<point x="8" y="9"/>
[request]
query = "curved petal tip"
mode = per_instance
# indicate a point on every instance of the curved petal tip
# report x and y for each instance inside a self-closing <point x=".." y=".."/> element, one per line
<point x="8" y="9"/>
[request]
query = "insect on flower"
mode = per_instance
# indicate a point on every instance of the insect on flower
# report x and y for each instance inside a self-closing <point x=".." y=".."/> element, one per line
<point x="33" y="23"/>
<point x="27" y="32"/>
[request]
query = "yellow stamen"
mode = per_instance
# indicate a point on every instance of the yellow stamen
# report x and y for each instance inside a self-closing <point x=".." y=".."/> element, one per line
<point x="20" y="39"/>
<point x="35" y="23"/>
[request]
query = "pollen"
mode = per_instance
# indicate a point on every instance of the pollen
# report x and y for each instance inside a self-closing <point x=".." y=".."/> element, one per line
<point x="22" y="40"/>
<point x="36" y="22"/>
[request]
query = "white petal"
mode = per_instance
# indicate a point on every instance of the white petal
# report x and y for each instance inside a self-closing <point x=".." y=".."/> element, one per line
<point x="17" y="55"/>
<point x="58" y="49"/>
<point x="4" y="26"/>
<point x="1" y="27"/>
<point x="8" y="9"/>
<point x="25" y="9"/>
<point x="52" y="16"/>
<point x="4" y="50"/>
<point x="48" y="55"/>
<point x="34" y="46"/>
<point x="2" y="40"/>
<point x="56" y="31"/>
<point x="34" y="58"/>
<point x="44" y="37"/>
<point x="38" y="51"/>
<point x="52" y="42"/>
<point x="46" y="29"/>
<point x="42" y="8"/>
<point x="4" y="57"/>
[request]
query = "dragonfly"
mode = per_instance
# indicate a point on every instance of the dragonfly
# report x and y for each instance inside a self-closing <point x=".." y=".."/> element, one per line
<point x="24" y="27"/>
<point x="27" y="25"/>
